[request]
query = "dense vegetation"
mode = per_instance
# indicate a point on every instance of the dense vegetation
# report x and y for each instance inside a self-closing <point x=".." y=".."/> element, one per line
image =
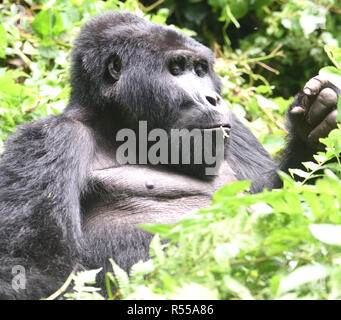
<point x="280" y="244"/>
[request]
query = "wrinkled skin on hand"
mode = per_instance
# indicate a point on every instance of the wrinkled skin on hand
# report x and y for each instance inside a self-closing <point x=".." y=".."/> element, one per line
<point x="313" y="112"/>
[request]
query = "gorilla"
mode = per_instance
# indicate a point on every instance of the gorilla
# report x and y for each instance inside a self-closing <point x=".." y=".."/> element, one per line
<point x="65" y="196"/>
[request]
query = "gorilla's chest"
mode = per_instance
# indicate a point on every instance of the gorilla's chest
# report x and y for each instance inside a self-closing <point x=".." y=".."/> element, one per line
<point x="141" y="194"/>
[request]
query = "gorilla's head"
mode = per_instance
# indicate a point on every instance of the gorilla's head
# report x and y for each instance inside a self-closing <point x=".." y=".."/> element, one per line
<point x="130" y="70"/>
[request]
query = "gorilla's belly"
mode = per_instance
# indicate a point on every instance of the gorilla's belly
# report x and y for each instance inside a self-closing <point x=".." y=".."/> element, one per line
<point x="140" y="194"/>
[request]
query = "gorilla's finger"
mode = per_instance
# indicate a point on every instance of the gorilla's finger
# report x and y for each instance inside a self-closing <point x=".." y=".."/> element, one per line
<point x="314" y="85"/>
<point x="323" y="129"/>
<point x="297" y="110"/>
<point x="324" y="103"/>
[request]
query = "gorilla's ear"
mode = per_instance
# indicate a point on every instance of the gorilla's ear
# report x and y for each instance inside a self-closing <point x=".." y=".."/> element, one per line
<point x="114" y="67"/>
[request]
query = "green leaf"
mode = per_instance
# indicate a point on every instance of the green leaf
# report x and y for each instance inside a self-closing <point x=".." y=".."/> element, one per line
<point x="82" y="289"/>
<point x="159" y="228"/>
<point x="195" y="291"/>
<point x="231" y="190"/>
<point x="139" y="269"/>
<point x="275" y="283"/>
<point x="237" y="288"/>
<point x="288" y="181"/>
<point x="273" y="143"/>
<point x="224" y="252"/>
<point x="334" y="54"/>
<point x="266" y="103"/>
<point x="262" y="89"/>
<point x="121" y="277"/>
<point x="332" y="74"/>
<point x="299" y="172"/>
<point x="47" y="24"/>
<point x="239" y="8"/>
<point x="314" y="204"/>
<point x="3" y="41"/>
<point x="9" y="87"/>
<point x="156" y="249"/>
<point x="303" y="275"/>
<point x="333" y="141"/>
<point x="327" y="233"/>
<point x="85" y="277"/>
<point x="310" y="165"/>
<point x="320" y="158"/>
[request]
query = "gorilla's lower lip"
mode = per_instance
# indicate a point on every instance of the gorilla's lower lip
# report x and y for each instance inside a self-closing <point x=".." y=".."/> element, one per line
<point x="216" y="128"/>
<point x="218" y="125"/>
<point x="227" y="129"/>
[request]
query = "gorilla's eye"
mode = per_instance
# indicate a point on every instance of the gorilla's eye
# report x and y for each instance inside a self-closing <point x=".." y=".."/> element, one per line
<point x="114" y="66"/>
<point x="201" y="68"/>
<point x="177" y="65"/>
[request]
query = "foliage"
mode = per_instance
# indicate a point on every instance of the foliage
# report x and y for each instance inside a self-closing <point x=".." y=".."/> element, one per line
<point x="82" y="289"/>
<point x="334" y="73"/>
<point x="303" y="28"/>
<point x="257" y="27"/>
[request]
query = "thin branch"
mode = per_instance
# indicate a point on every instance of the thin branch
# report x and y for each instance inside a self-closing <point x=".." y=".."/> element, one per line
<point x="265" y="66"/>
<point x="152" y="6"/>
<point x="65" y="285"/>
<point x="258" y="260"/>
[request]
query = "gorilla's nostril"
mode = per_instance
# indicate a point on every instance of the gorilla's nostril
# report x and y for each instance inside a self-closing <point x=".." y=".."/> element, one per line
<point x="211" y="100"/>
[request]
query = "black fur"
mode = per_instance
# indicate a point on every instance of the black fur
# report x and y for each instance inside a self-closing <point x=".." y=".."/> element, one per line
<point x="45" y="184"/>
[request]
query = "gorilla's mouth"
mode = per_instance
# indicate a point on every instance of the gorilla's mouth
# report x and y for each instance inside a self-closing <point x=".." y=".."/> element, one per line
<point x="225" y="129"/>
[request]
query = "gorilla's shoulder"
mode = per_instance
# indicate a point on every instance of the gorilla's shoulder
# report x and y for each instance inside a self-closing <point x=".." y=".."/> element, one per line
<point x="52" y="127"/>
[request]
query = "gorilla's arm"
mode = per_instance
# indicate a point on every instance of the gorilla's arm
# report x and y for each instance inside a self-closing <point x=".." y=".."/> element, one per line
<point x="311" y="116"/>
<point x="43" y="173"/>
<point x="245" y="154"/>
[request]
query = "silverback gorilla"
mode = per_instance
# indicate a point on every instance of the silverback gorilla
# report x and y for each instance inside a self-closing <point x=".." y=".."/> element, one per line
<point x="65" y="199"/>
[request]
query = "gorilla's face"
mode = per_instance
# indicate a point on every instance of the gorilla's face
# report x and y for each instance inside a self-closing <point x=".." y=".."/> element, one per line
<point x="200" y="105"/>
<point x="173" y="88"/>
<point x="140" y="71"/>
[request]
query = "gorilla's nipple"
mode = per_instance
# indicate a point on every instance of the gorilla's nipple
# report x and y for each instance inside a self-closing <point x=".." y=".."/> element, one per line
<point x="149" y="185"/>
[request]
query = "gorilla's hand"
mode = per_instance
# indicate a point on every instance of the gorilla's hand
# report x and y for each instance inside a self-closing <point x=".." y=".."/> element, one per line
<point x="313" y="111"/>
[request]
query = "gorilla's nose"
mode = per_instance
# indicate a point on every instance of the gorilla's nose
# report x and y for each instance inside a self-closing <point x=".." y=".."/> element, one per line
<point x="213" y="99"/>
